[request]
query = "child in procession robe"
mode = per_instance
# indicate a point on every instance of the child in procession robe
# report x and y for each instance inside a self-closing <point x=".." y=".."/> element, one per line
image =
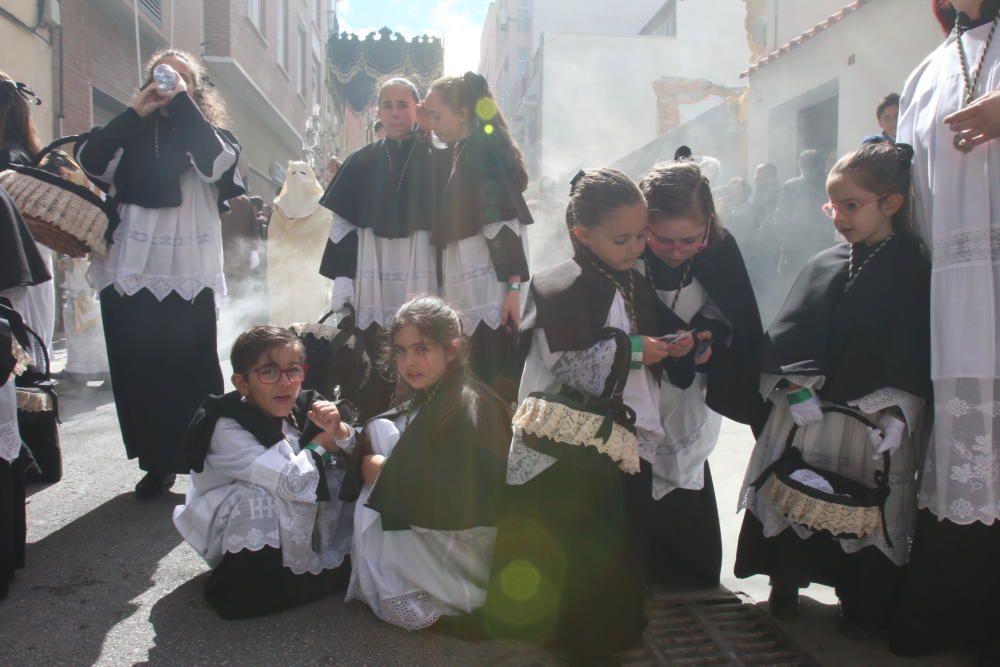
<point x="481" y="232"/>
<point x="379" y="252"/>
<point x="850" y="345"/>
<point x="262" y="505"/>
<point x="433" y="467"/>
<point x="565" y="572"/>
<point x="696" y="268"/>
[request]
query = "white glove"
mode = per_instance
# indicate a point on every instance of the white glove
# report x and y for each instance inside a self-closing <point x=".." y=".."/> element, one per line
<point x="888" y="436"/>
<point x="254" y="259"/>
<point x="806" y="410"/>
<point x="343" y="294"/>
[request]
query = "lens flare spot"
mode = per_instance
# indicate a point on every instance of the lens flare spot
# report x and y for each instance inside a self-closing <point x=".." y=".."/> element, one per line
<point x="488" y="129"/>
<point x="520" y="580"/>
<point x="486" y="109"/>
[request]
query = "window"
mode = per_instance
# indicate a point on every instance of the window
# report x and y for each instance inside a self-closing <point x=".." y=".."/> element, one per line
<point x="254" y="12"/>
<point x="280" y="27"/>
<point x="522" y="62"/>
<point x="103" y="107"/>
<point x="303" y="56"/>
<point x="523" y="15"/>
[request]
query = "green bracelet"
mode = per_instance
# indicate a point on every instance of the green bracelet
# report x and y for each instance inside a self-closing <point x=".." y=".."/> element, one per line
<point x="635" y="362"/>
<point x="800" y="396"/>
<point x="319" y="449"/>
<point x="513" y="287"/>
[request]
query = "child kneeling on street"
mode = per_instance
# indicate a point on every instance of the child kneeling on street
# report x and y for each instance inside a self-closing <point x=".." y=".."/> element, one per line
<point x="262" y="505"/>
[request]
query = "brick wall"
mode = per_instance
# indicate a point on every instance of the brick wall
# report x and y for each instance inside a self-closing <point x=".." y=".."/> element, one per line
<point x="99" y="50"/>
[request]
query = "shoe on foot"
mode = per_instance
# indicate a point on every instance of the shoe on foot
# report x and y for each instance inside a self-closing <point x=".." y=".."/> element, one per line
<point x="153" y="484"/>
<point x="784" y="601"/>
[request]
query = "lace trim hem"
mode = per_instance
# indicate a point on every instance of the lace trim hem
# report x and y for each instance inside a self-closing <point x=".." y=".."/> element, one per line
<point x="546" y="419"/>
<point x="817" y="514"/>
<point x="33" y="400"/>
<point x="21" y="358"/>
<point x="911" y="406"/>
<point x="187" y="287"/>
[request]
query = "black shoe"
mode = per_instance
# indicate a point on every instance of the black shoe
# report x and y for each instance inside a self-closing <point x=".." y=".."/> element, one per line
<point x="153" y="484"/>
<point x="784" y="601"/>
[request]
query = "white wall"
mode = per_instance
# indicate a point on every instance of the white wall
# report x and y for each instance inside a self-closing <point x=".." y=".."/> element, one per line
<point x="27" y="58"/>
<point x="887" y="40"/>
<point x="790" y="18"/>
<point x="598" y="102"/>
<point x="607" y="17"/>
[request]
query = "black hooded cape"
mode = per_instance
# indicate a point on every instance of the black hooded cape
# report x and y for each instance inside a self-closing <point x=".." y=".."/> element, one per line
<point x="448" y="470"/>
<point x="267" y="430"/>
<point x="571" y="301"/>
<point x="733" y="371"/>
<point x="372" y="191"/>
<point x="874" y="335"/>
<point x="20" y="262"/>
<point x="482" y="190"/>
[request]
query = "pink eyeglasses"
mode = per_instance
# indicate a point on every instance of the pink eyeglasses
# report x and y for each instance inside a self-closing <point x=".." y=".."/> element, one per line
<point x="849" y="208"/>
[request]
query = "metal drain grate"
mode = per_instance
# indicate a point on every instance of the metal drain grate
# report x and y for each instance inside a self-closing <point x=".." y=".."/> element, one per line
<point x="713" y="629"/>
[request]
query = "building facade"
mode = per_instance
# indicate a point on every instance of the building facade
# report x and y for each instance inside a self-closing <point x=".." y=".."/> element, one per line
<point x="822" y="67"/>
<point x="29" y="32"/>
<point x="267" y="59"/>
<point x="607" y="78"/>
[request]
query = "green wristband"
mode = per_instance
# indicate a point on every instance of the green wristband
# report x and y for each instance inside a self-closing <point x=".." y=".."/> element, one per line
<point x="325" y="455"/>
<point x="800" y="396"/>
<point x="635" y="362"/>
<point x="513" y="287"/>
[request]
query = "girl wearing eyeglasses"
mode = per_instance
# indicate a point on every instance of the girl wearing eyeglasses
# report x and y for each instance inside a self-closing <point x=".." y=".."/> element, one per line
<point x="697" y="270"/>
<point x="262" y="505"/>
<point x="853" y="334"/>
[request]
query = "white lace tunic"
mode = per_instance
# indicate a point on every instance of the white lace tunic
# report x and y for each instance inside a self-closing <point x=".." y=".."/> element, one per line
<point x="389" y="273"/>
<point x="166" y="250"/>
<point x="251" y="497"/>
<point x="957" y="200"/>
<point x="470" y="282"/>
<point x="411" y="578"/>
<point x="839" y="444"/>
<point x="692" y="429"/>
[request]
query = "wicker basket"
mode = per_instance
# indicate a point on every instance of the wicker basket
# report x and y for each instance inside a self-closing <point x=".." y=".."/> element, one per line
<point x="64" y="216"/>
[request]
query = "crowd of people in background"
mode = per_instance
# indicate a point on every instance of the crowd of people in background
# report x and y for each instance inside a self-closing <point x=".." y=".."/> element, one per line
<point x="525" y="452"/>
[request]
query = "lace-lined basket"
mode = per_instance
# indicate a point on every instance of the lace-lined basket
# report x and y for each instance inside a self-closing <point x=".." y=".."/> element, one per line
<point x="853" y="510"/>
<point x="62" y="215"/>
<point x="559" y="421"/>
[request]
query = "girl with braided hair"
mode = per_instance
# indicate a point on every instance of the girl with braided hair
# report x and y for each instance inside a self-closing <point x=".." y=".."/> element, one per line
<point x="480" y="233"/>
<point x="846" y="368"/>
<point x="592" y="324"/>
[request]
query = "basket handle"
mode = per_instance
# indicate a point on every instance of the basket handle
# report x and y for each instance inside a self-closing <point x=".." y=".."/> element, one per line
<point x="880" y="479"/>
<point x="61" y="141"/>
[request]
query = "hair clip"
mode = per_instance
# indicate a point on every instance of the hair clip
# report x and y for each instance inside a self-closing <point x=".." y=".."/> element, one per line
<point x="683" y="153"/>
<point x="21" y="89"/>
<point x="576" y="179"/>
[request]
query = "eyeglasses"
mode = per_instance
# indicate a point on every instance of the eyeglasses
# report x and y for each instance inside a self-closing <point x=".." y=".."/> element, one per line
<point x="271" y="374"/>
<point x="685" y="244"/>
<point x="848" y="208"/>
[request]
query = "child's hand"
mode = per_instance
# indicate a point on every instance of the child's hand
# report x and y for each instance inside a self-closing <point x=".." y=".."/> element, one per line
<point x="681" y="347"/>
<point x="326" y="415"/>
<point x="654" y="351"/>
<point x="148" y="100"/>
<point x="510" y="316"/>
<point x="704" y="337"/>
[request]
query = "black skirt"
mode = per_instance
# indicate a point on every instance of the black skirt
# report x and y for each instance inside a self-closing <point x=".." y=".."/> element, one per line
<point x="164" y="364"/>
<point x="494" y="358"/>
<point x="867" y="582"/>
<point x="13" y="526"/>
<point x="564" y="570"/>
<point x="678" y="536"/>
<point x="951" y="592"/>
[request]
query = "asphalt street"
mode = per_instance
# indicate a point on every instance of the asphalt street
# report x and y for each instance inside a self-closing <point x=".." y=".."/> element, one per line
<point x="109" y="582"/>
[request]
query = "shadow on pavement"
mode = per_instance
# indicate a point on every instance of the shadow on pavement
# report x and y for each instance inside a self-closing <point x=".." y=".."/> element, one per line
<point x="83" y="579"/>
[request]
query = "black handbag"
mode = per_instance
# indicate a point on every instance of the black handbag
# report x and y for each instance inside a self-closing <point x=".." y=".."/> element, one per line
<point x="38" y="418"/>
<point x="853" y="510"/>
<point x="546" y="420"/>
<point x="339" y="364"/>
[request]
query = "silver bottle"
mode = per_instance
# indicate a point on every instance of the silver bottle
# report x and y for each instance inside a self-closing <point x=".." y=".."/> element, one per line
<point x="165" y="77"/>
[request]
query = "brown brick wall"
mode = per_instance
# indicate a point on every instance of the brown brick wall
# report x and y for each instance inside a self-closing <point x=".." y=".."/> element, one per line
<point x="99" y="50"/>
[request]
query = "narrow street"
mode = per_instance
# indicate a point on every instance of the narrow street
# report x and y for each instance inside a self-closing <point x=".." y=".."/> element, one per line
<point x="109" y="582"/>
